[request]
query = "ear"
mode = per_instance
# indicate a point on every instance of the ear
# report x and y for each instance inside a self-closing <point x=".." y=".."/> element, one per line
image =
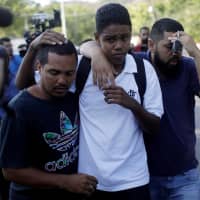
<point x="38" y="66"/>
<point x="151" y="45"/>
<point x="96" y="36"/>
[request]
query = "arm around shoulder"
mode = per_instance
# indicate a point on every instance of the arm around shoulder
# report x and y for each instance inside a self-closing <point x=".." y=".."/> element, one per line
<point x="102" y="69"/>
<point x="25" y="74"/>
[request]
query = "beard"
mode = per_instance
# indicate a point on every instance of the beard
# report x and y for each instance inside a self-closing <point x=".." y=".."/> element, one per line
<point x="167" y="69"/>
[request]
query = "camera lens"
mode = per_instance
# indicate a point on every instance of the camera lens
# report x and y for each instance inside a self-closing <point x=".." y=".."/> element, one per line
<point x="177" y="46"/>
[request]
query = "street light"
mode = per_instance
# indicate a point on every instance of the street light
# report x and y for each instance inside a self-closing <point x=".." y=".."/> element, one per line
<point x="152" y="10"/>
<point x="63" y="22"/>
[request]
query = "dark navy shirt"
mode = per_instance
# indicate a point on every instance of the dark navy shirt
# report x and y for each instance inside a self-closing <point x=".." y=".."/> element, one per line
<point x="10" y="89"/>
<point x="172" y="151"/>
<point x="42" y="134"/>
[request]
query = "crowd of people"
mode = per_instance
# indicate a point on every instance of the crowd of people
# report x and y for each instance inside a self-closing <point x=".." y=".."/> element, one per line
<point x="108" y="123"/>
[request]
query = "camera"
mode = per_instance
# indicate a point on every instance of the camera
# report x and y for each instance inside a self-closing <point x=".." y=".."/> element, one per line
<point x="177" y="47"/>
<point x="40" y="22"/>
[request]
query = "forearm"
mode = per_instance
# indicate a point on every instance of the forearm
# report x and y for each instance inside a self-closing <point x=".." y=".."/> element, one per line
<point x="149" y="123"/>
<point x="25" y="74"/>
<point x="32" y="177"/>
<point x="76" y="183"/>
<point x="102" y="69"/>
<point x="192" y="49"/>
<point x="196" y="56"/>
<point x="90" y="49"/>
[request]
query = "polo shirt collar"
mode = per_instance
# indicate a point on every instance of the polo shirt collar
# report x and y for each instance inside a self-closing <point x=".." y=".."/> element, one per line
<point x="130" y="65"/>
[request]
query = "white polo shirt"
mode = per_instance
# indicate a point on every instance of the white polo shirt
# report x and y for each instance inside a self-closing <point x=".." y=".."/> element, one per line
<point x="111" y="143"/>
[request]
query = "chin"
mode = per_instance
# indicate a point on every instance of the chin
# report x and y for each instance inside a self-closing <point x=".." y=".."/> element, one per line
<point x="59" y="95"/>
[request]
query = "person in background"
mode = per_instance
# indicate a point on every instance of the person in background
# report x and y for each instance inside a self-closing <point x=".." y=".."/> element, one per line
<point x="22" y="48"/>
<point x="6" y="19"/>
<point x="14" y="62"/>
<point x="143" y="44"/>
<point x="39" y="135"/>
<point x="4" y="63"/>
<point x="112" y="118"/>
<point x="174" y="173"/>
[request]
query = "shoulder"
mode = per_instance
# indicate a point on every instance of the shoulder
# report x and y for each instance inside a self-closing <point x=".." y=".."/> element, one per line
<point x="149" y="69"/>
<point x="187" y="59"/>
<point x="187" y="62"/>
<point x="188" y="65"/>
<point x="83" y="60"/>
<point x="148" y="66"/>
<point x="20" y="101"/>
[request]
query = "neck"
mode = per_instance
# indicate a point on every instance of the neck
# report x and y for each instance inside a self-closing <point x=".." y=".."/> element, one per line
<point x="117" y="69"/>
<point x="36" y="91"/>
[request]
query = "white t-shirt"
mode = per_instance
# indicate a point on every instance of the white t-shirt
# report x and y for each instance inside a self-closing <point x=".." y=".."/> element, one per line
<point x="111" y="143"/>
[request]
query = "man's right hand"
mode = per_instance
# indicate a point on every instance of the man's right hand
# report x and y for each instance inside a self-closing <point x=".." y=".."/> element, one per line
<point x="47" y="37"/>
<point x="102" y="69"/>
<point x="78" y="183"/>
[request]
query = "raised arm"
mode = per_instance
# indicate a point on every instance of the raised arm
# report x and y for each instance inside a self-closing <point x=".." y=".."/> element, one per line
<point x="76" y="183"/>
<point x="192" y="49"/>
<point x="25" y="74"/>
<point x="101" y="67"/>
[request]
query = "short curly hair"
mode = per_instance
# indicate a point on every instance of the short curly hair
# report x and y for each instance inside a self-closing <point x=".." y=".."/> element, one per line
<point x="112" y="13"/>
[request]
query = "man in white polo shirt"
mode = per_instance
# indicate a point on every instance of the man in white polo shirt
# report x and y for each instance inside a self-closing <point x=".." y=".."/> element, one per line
<point x="112" y="118"/>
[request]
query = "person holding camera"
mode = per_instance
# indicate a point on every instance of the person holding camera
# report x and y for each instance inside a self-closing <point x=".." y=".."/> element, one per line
<point x="171" y="153"/>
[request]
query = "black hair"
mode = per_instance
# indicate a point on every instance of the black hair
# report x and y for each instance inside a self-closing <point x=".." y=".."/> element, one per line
<point x="144" y="28"/>
<point x="164" y="25"/>
<point x="112" y="13"/>
<point x="4" y="39"/>
<point x="67" y="48"/>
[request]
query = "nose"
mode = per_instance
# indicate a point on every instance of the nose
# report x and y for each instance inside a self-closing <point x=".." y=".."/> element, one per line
<point x="118" y="44"/>
<point x="62" y="80"/>
<point x="174" y="53"/>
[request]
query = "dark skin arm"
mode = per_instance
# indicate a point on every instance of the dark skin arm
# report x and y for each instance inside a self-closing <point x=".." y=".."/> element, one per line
<point x="76" y="183"/>
<point x="25" y="74"/>
<point x="101" y="67"/>
<point x="148" y="122"/>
